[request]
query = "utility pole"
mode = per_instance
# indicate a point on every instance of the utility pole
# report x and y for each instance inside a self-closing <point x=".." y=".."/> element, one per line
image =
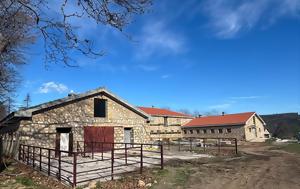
<point x="27" y="100"/>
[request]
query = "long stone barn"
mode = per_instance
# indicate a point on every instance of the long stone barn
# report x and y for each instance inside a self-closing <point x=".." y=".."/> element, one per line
<point x="94" y="116"/>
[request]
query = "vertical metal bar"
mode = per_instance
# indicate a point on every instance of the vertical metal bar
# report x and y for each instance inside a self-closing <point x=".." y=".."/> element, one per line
<point x="27" y="155"/>
<point x="219" y="146"/>
<point x="126" y="153"/>
<point x="59" y="165"/>
<point x="74" y="169"/>
<point x="141" y="166"/>
<point x="77" y="146"/>
<point x="112" y="163"/>
<point x="33" y="156"/>
<point x="235" y="142"/>
<point x="49" y="161"/>
<point x="92" y="150"/>
<point x="19" y="152"/>
<point x="161" y="156"/>
<point x="102" y="151"/>
<point x="40" y="159"/>
<point x="23" y="154"/>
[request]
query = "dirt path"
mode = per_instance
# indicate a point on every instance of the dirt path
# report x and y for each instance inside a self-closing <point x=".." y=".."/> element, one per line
<point x="260" y="168"/>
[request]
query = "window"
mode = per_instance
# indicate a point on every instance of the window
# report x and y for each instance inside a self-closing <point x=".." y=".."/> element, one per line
<point x="198" y="131"/>
<point x="166" y="131"/>
<point x="212" y="131"/>
<point x="250" y="130"/>
<point x="99" y="107"/>
<point x="158" y="131"/>
<point x="204" y="131"/>
<point x="254" y="120"/>
<point x="220" y="130"/>
<point x="172" y="131"/>
<point x="191" y="131"/>
<point x="184" y="131"/>
<point x="259" y="129"/>
<point x="228" y="130"/>
<point x="166" y="121"/>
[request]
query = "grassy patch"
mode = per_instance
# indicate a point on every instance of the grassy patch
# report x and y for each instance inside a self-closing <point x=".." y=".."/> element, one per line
<point x="294" y="148"/>
<point x="182" y="176"/>
<point x="24" y="181"/>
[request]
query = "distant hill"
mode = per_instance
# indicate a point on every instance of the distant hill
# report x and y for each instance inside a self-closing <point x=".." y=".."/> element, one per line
<point x="285" y="125"/>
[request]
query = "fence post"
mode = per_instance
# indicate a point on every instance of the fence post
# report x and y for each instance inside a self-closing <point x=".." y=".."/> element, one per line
<point x="19" y="151"/>
<point x="161" y="156"/>
<point x="92" y="150"/>
<point x="40" y="159"/>
<point x="102" y="151"/>
<point x="235" y="142"/>
<point x="141" y="166"/>
<point x="33" y="156"/>
<point x="112" y="163"/>
<point x="27" y="155"/>
<point x="49" y="161"/>
<point x="126" y="153"/>
<point x="59" y="165"/>
<point x="74" y="168"/>
<point x="219" y="146"/>
<point x="23" y="154"/>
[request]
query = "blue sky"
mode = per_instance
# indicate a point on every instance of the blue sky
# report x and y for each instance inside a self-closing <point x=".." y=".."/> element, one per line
<point x="231" y="56"/>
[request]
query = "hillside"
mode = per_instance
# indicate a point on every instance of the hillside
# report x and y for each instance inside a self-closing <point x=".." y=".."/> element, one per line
<point x="285" y="125"/>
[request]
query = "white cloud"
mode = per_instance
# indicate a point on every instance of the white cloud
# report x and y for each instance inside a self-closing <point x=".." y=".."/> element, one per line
<point x="148" y="68"/>
<point x="157" y="38"/>
<point x="53" y="87"/>
<point x="165" y="76"/>
<point x="245" y="97"/>
<point x="220" y="106"/>
<point x="230" y="18"/>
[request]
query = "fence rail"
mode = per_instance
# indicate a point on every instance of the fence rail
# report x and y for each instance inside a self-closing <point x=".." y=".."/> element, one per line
<point x="82" y="166"/>
<point x="205" y="145"/>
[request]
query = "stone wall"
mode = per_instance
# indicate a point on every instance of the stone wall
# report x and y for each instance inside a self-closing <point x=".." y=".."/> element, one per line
<point x="254" y="129"/>
<point x="215" y="132"/>
<point x="171" y="131"/>
<point x="41" y="129"/>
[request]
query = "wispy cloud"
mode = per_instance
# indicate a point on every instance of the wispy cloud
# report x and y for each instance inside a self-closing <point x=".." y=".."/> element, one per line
<point x="157" y="38"/>
<point x="165" y="76"/>
<point x="230" y="18"/>
<point x="148" y="68"/>
<point x="53" y="87"/>
<point x="245" y="97"/>
<point x="220" y="106"/>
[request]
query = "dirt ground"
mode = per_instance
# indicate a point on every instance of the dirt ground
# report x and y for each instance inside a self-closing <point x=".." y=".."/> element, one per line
<point x="259" y="166"/>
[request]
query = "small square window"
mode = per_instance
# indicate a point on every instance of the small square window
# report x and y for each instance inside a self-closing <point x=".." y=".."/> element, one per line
<point x="228" y="130"/>
<point x="220" y="130"/>
<point x="204" y="131"/>
<point x="250" y="130"/>
<point x="212" y="131"/>
<point x="191" y="131"/>
<point x="99" y="107"/>
<point x="198" y="131"/>
<point x="184" y="131"/>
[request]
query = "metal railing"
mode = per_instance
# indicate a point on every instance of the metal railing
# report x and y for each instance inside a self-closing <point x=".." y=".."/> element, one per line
<point x="203" y="145"/>
<point x="82" y="166"/>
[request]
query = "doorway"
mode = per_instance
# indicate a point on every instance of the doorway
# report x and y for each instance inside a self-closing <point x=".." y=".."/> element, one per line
<point x="128" y="135"/>
<point x="64" y="140"/>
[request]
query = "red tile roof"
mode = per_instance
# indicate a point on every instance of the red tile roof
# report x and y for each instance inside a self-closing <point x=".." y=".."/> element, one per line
<point x="162" y="112"/>
<point x="221" y="120"/>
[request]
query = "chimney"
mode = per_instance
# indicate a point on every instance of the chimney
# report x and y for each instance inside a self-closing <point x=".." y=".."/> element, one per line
<point x="223" y="113"/>
<point x="199" y="115"/>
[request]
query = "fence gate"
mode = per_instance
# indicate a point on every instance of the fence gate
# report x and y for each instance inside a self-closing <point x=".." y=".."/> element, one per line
<point x="93" y="135"/>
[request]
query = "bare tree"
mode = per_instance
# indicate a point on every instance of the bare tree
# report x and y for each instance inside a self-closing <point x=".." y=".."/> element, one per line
<point x="23" y="21"/>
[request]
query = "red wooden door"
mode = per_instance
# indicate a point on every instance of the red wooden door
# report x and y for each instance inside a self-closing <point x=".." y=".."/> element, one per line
<point x="98" y="139"/>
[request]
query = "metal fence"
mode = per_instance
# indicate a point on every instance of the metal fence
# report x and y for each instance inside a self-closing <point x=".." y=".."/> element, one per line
<point x="216" y="146"/>
<point x="79" y="167"/>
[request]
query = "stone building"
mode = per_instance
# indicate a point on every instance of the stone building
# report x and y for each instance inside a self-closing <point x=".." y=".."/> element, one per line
<point x="94" y="116"/>
<point x="165" y="124"/>
<point x="244" y="126"/>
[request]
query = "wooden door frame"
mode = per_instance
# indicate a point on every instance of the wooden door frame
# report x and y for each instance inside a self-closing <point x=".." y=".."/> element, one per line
<point x="60" y="130"/>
